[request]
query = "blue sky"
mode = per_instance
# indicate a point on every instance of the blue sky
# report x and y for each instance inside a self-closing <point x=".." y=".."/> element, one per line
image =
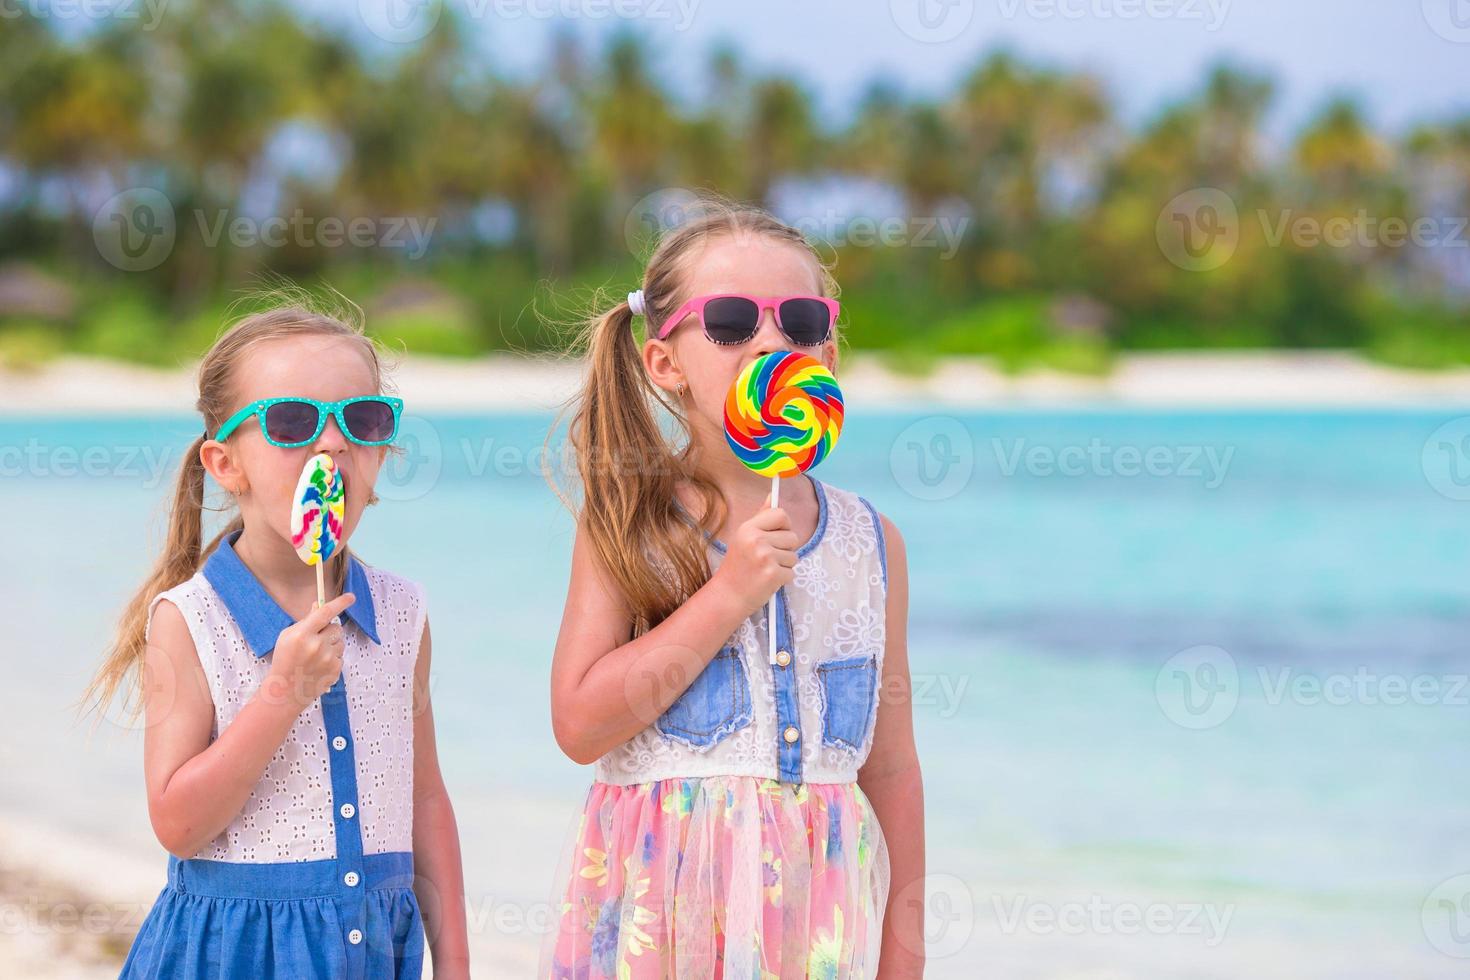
<point x="1404" y="60"/>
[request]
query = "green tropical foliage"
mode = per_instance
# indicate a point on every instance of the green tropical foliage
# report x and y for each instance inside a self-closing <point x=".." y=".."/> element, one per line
<point x="1014" y="216"/>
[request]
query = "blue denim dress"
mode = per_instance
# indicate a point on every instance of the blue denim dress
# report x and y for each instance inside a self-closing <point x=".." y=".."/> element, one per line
<point x="314" y="878"/>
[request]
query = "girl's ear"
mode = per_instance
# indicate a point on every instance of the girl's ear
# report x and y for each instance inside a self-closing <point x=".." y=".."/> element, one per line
<point x="663" y="370"/>
<point x="219" y="462"/>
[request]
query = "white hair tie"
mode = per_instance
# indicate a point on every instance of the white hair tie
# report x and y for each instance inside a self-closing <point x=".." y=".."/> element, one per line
<point x="635" y="302"/>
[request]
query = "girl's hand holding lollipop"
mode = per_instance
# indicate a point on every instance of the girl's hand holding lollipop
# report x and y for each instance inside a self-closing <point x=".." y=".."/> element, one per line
<point x="308" y="655"/>
<point x="782" y="417"/>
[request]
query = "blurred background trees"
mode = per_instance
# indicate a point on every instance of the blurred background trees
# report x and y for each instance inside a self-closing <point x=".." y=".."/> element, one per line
<point x="1023" y="220"/>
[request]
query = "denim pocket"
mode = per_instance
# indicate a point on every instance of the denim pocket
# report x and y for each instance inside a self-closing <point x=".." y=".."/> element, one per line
<point x="848" y="688"/>
<point x="716" y="704"/>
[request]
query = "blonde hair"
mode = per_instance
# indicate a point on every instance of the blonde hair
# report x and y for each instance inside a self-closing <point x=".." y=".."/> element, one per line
<point x="294" y="313"/>
<point x="628" y="468"/>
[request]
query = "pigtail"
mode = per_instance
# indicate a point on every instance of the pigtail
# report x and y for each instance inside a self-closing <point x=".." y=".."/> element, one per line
<point x="177" y="563"/>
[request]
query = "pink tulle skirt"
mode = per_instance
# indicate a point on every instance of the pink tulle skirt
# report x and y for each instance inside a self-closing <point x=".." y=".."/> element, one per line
<point x="721" y="876"/>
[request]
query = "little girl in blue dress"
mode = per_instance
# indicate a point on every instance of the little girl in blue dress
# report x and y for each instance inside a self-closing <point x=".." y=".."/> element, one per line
<point x="288" y="751"/>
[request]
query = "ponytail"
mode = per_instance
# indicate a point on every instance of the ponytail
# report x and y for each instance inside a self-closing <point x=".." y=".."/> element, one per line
<point x="630" y="470"/>
<point x="629" y="475"/>
<point x="177" y="563"/>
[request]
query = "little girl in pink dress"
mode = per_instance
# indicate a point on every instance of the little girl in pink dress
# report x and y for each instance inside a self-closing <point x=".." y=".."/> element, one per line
<point x="729" y="831"/>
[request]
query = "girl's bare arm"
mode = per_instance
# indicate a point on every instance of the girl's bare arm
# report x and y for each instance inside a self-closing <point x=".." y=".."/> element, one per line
<point x="195" y="787"/>
<point x="438" y="869"/>
<point x="606" y="688"/>
<point x="893" y="783"/>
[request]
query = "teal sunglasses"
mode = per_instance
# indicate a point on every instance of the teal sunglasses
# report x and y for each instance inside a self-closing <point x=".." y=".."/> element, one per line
<point x="371" y="420"/>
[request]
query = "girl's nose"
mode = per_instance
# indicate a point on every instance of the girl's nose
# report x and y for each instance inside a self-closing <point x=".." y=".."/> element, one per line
<point x="331" y="439"/>
<point x="768" y="337"/>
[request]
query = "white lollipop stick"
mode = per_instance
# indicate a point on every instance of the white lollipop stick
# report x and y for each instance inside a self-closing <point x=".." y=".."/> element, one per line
<point x="775" y="495"/>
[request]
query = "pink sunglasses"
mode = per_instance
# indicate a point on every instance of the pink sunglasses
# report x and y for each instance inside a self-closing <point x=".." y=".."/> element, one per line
<point x="732" y="318"/>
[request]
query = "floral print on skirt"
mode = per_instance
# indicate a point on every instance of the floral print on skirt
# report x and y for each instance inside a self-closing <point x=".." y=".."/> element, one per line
<point x="721" y="876"/>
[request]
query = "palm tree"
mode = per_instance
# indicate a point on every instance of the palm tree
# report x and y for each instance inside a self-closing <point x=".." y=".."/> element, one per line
<point x="1437" y="163"/>
<point x="1339" y="154"/>
<point x="780" y="136"/>
<point x="78" y="114"/>
<point x="1015" y="123"/>
<point x="630" y="122"/>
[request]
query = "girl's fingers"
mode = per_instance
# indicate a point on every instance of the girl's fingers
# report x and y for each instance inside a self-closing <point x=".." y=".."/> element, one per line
<point x="322" y="616"/>
<point x="771" y="519"/>
<point x="785" y="540"/>
<point x="783" y="557"/>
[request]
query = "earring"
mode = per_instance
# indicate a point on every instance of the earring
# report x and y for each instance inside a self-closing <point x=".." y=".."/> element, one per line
<point x="679" y="388"/>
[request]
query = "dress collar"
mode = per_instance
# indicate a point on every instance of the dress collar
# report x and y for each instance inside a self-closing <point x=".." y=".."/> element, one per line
<point x="259" y="616"/>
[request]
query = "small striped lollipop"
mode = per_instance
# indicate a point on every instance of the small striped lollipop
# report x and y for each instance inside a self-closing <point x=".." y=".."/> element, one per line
<point x="316" y="514"/>
<point x="782" y="417"/>
<point x="783" y="414"/>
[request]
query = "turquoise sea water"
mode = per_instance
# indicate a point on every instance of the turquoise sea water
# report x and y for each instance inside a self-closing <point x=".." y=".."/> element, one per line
<point x="1190" y="703"/>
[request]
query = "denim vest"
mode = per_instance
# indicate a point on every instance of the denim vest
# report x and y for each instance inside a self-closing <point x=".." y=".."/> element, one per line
<point x="810" y="716"/>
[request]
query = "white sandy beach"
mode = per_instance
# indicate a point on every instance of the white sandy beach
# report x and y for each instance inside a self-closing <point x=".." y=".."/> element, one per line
<point x="508" y="382"/>
<point x="71" y="904"/>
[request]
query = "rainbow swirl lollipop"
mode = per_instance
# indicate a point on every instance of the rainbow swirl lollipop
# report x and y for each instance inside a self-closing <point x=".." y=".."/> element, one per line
<point x="783" y="414"/>
<point x="316" y="511"/>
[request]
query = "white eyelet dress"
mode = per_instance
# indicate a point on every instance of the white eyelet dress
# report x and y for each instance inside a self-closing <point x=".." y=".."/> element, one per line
<point x="730" y="838"/>
<point x="313" y="878"/>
